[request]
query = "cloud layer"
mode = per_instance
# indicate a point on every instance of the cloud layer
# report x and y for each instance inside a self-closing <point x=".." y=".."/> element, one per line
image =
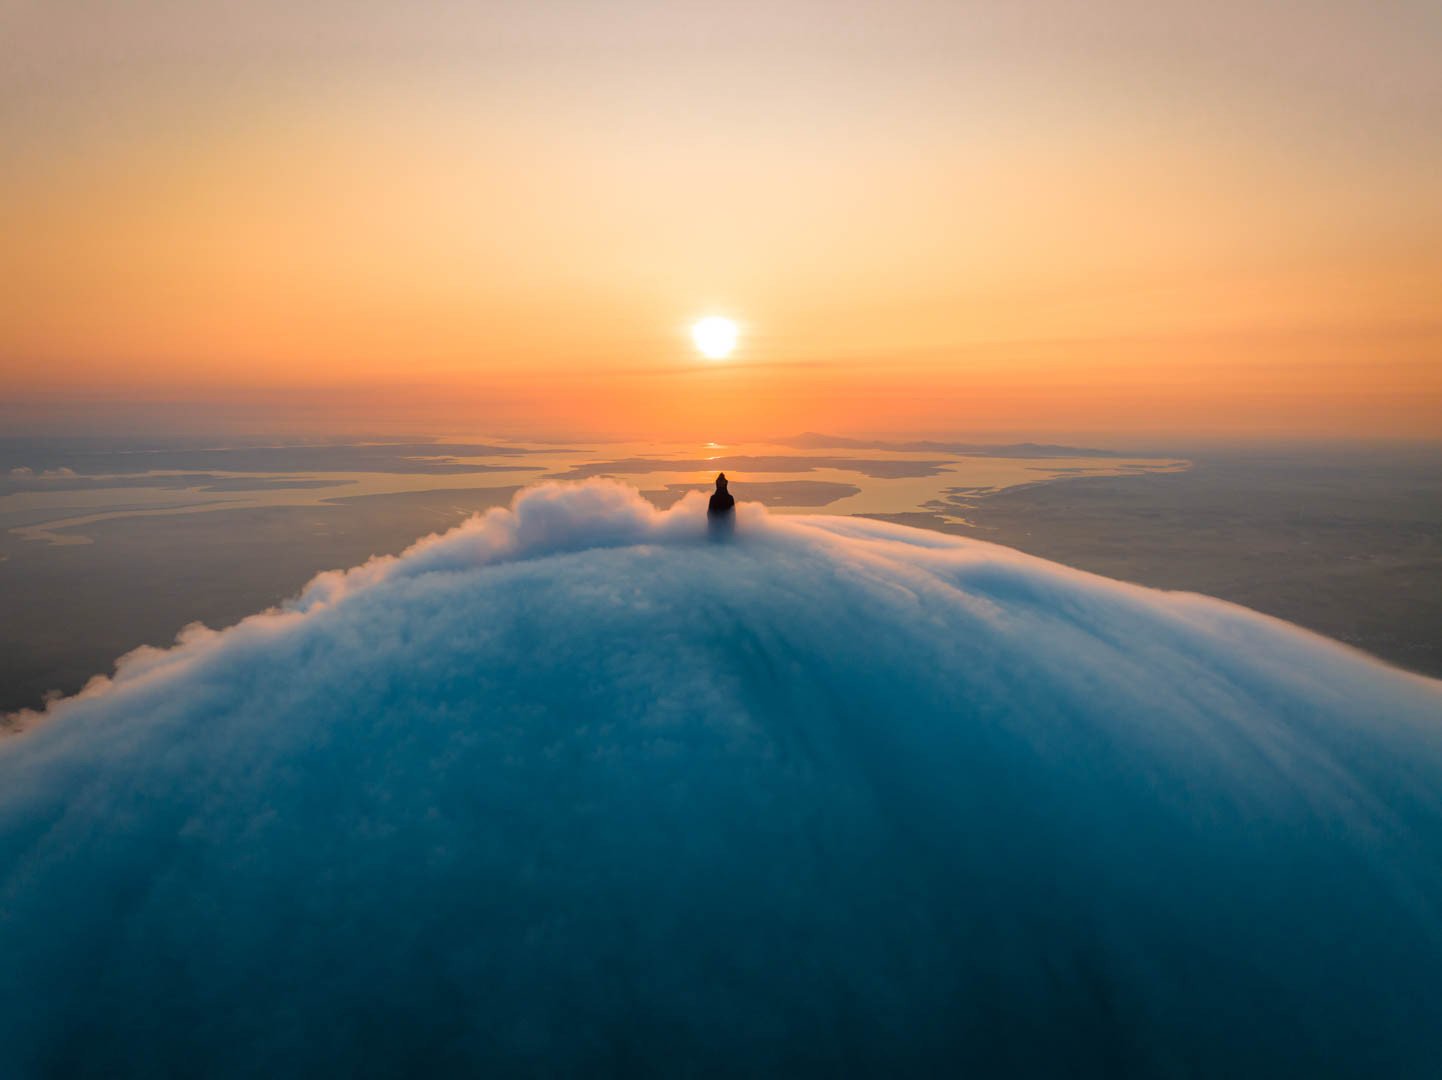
<point x="572" y="785"/>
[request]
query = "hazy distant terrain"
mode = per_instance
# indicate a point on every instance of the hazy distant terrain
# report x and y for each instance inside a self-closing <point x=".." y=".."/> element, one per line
<point x="1347" y="544"/>
<point x="107" y="547"/>
<point x="80" y="606"/>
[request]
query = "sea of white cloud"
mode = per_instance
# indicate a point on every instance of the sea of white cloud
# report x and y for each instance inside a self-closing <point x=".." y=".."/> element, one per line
<point x="576" y="787"/>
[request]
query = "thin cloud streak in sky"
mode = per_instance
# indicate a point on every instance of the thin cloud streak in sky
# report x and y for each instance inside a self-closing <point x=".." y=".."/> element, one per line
<point x="573" y="786"/>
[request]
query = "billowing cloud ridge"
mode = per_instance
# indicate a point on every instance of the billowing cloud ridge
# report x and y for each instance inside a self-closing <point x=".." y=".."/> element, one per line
<point x="573" y="786"/>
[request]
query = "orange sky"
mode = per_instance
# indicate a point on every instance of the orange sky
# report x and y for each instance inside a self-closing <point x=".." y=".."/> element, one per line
<point x="928" y="217"/>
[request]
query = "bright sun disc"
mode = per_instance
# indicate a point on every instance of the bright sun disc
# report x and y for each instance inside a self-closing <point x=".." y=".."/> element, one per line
<point x="715" y="337"/>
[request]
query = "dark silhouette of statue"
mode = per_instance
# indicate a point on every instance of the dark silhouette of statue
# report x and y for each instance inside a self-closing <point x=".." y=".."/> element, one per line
<point x="721" y="513"/>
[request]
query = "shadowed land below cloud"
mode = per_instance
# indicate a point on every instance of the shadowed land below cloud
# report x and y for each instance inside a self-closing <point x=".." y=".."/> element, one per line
<point x="144" y="578"/>
<point x="1259" y="529"/>
<point x="1345" y="543"/>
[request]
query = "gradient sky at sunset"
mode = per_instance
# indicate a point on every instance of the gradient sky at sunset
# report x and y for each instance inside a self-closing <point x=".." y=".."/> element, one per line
<point x="1118" y="218"/>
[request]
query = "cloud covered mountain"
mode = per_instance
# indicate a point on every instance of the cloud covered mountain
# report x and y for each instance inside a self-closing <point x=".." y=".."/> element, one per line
<point x="574" y="786"/>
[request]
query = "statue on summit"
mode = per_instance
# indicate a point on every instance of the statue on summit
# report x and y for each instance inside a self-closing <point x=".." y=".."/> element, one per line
<point x="721" y="512"/>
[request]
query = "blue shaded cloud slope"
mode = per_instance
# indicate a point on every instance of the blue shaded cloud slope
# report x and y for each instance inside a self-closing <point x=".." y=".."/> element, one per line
<point x="573" y="787"/>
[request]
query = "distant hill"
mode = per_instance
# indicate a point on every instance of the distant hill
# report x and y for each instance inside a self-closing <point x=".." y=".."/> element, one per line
<point x="812" y="440"/>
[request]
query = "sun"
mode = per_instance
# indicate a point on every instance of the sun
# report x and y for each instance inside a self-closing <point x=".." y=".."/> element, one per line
<point x="715" y="337"/>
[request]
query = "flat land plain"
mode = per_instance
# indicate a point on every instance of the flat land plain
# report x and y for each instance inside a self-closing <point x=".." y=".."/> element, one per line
<point x="106" y="547"/>
<point x="1348" y="545"/>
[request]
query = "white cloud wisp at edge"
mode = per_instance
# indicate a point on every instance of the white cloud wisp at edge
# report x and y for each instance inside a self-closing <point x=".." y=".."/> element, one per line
<point x="572" y="786"/>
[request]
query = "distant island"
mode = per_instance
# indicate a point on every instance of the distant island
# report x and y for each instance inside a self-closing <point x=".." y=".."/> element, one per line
<point x="814" y="440"/>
